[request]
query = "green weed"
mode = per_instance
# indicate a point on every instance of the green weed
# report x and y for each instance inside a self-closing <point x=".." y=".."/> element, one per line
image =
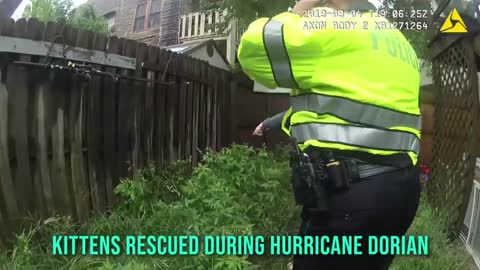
<point x="238" y="191"/>
<point x="444" y="254"/>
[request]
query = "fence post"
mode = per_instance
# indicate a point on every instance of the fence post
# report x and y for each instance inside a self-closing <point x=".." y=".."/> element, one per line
<point x="229" y="87"/>
<point x="7" y="188"/>
<point x="96" y="167"/>
<point x="232" y="43"/>
<point x="84" y="132"/>
<point x="233" y="112"/>
<point x="78" y="102"/>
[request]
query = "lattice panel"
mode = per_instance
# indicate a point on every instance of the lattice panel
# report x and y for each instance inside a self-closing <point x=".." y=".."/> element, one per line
<point x="456" y="122"/>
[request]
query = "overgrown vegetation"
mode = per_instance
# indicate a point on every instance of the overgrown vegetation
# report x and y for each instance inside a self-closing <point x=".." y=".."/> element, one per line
<point x="444" y="254"/>
<point x="238" y="191"/>
<point x="62" y="11"/>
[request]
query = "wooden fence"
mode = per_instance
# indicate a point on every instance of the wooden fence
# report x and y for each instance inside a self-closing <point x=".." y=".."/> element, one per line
<point x="245" y="121"/>
<point x="68" y="134"/>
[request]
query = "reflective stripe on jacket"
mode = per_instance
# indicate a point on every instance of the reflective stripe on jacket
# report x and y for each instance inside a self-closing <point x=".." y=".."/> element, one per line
<point x="355" y="85"/>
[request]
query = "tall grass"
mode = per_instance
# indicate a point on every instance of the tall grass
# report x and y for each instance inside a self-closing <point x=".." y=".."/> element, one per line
<point x="239" y="191"/>
<point x="444" y="254"/>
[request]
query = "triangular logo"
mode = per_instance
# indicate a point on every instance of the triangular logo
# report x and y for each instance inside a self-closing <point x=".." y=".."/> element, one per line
<point x="454" y="23"/>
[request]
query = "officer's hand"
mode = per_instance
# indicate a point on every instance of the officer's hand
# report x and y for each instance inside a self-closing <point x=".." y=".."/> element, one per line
<point x="305" y="5"/>
<point x="259" y="131"/>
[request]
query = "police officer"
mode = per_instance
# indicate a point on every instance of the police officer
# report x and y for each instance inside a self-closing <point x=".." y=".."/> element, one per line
<point x="354" y="109"/>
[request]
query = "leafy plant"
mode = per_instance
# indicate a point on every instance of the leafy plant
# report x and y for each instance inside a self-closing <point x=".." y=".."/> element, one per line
<point x="62" y="12"/>
<point x="238" y="191"/>
<point x="444" y="254"/>
<point x="49" y="10"/>
<point x="85" y="18"/>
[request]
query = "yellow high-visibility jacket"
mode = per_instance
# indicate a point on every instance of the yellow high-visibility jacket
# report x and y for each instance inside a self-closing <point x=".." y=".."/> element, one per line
<point x="354" y="89"/>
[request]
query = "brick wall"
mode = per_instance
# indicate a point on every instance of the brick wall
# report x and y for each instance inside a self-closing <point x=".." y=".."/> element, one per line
<point x="165" y="35"/>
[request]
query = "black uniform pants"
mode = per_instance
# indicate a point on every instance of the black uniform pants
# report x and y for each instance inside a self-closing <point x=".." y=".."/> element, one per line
<point x="382" y="205"/>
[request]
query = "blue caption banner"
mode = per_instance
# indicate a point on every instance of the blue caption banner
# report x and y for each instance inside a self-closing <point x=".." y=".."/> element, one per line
<point x="239" y="245"/>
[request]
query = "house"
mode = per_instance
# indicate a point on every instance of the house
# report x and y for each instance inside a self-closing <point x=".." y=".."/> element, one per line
<point x="167" y="23"/>
<point x="154" y="22"/>
<point x="8" y="7"/>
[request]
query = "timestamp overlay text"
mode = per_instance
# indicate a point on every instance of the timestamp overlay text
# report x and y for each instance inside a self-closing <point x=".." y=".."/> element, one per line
<point x="382" y="19"/>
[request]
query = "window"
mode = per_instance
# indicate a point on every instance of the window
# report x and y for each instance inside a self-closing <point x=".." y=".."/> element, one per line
<point x="155" y="11"/>
<point x="148" y="14"/>
<point x="111" y="22"/>
<point x="110" y="17"/>
<point x="140" y="17"/>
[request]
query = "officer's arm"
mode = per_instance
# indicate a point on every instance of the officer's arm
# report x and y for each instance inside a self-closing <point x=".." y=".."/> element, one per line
<point x="263" y="52"/>
<point x="274" y="122"/>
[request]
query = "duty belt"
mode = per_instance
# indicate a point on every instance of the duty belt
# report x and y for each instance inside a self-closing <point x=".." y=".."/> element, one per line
<point x="367" y="170"/>
<point x="360" y="171"/>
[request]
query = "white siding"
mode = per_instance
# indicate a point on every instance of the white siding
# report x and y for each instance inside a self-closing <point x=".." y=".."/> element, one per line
<point x="216" y="60"/>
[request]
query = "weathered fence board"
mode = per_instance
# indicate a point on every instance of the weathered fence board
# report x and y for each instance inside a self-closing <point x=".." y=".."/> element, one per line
<point x="189" y="69"/>
<point x="125" y="114"/>
<point x="159" y="111"/>
<point x="41" y="142"/>
<point x="149" y="110"/>
<point x="214" y="86"/>
<point x="182" y="103"/>
<point x="67" y="136"/>
<point x="208" y="112"/>
<point x="220" y="108"/>
<point x="95" y="162"/>
<point x="60" y="186"/>
<point x="6" y="181"/>
<point x="138" y="109"/>
<point x="3" y="231"/>
<point x="110" y="123"/>
<point x="80" y="185"/>
<point x="17" y="79"/>
<point x="77" y="127"/>
<point x="226" y="118"/>
<point x="172" y="104"/>
<point x="195" y="108"/>
<point x="166" y="100"/>
<point x="202" y="101"/>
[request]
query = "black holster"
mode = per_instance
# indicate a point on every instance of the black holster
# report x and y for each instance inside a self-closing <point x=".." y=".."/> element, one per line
<point x="338" y="175"/>
<point x="308" y="183"/>
<point x="338" y="172"/>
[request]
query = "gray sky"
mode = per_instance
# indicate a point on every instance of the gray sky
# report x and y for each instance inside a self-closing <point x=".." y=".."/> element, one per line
<point x="18" y="13"/>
